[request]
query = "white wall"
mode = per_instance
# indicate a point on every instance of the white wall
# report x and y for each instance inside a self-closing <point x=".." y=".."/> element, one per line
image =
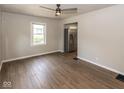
<point x="17" y="35"/>
<point x="101" y="35"/>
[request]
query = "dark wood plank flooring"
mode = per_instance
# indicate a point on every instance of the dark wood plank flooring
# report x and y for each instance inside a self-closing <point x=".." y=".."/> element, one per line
<point x="56" y="70"/>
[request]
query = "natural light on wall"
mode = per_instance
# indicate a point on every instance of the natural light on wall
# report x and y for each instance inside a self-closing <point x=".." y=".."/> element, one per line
<point x="38" y="34"/>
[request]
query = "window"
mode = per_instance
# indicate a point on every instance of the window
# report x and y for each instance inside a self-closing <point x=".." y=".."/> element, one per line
<point x="38" y="33"/>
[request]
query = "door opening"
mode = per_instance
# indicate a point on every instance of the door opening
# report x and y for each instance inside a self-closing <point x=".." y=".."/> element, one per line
<point x="70" y="38"/>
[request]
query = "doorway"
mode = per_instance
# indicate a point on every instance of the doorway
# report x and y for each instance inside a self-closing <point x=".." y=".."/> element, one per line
<point x="70" y="38"/>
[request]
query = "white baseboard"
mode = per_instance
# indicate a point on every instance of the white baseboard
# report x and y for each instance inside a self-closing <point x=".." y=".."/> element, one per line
<point x="86" y="60"/>
<point x="108" y="68"/>
<point x="61" y="51"/>
<point x="24" y="57"/>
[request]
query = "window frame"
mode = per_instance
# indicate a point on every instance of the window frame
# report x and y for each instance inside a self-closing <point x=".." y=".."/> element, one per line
<point x="38" y="23"/>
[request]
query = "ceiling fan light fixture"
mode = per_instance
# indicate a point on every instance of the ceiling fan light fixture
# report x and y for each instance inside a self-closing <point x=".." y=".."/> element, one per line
<point x="58" y="12"/>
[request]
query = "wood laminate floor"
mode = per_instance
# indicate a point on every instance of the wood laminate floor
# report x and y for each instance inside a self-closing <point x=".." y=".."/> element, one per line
<point x="56" y="70"/>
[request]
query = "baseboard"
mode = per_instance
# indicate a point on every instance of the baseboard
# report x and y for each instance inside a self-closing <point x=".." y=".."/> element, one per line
<point x="61" y="51"/>
<point x="108" y="68"/>
<point x="24" y="57"/>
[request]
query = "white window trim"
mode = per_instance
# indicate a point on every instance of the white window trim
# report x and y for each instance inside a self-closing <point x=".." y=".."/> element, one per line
<point x="32" y="33"/>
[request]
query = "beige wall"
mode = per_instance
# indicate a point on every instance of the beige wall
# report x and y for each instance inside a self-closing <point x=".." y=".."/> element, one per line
<point x="17" y="36"/>
<point x="101" y="37"/>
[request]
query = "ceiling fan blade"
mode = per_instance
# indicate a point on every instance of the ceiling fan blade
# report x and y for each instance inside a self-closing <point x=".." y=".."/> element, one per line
<point x="69" y="11"/>
<point x="47" y="8"/>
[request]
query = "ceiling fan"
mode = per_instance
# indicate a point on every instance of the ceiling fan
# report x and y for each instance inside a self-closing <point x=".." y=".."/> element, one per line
<point x="58" y="11"/>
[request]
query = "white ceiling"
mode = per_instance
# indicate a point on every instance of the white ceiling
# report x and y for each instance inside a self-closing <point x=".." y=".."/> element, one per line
<point x="36" y="10"/>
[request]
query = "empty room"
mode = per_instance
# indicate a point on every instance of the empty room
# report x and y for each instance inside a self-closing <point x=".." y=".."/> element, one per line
<point x="61" y="46"/>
